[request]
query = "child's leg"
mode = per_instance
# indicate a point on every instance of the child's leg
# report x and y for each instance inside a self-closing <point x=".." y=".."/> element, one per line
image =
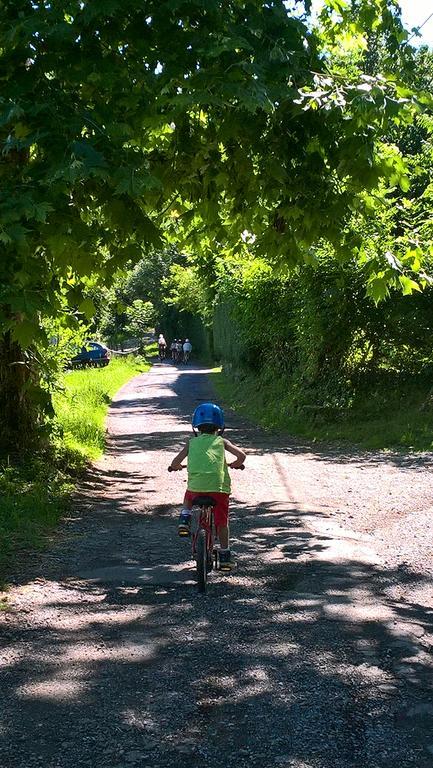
<point x="221" y="517"/>
<point x="223" y="535"/>
<point x="187" y="501"/>
<point x="184" y="524"/>
<point x="222" y="527"/>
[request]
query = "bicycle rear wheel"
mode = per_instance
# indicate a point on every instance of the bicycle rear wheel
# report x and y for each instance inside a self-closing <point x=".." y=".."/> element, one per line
<point x="201" y="560"/>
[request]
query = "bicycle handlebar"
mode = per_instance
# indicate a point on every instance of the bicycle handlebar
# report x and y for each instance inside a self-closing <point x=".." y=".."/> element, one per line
<point x="173" y="469"/>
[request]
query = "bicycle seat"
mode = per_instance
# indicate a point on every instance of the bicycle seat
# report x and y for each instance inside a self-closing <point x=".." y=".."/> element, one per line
<point x="204" y="501"/>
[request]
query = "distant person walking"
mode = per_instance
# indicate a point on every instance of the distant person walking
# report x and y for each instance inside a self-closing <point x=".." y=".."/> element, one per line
<point x="162" y="346"/>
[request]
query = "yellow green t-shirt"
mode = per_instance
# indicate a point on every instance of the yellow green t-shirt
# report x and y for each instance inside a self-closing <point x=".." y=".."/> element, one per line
<point x="207" y="466"/>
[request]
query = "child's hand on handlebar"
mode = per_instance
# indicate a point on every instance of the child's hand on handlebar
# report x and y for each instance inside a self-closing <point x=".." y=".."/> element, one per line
<point x="236" y="465"/>
<point x="176" y="469"/>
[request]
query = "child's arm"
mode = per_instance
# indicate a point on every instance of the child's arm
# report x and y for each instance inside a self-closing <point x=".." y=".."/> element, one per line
<point x="240" y="455"/>
<point x="177" y="461"/>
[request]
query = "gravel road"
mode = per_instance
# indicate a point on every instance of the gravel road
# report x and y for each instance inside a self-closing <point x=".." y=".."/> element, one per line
<point x="315" y="653"/>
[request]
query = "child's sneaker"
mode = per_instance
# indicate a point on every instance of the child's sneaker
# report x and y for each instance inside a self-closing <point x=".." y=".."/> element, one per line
<point x="184" y="526"/>
<point x="226" y="561"/>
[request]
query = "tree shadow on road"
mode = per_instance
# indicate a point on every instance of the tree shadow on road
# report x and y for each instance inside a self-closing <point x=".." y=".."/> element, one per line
<point x="297" y="659"/>
<point x="293" y="660"/>
<point x="188" y="388"/>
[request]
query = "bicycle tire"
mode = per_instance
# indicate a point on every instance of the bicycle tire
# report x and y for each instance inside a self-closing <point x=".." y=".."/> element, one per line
<point x="201" y="560"/>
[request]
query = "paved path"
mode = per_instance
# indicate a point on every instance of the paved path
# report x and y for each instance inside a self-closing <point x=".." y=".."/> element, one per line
<point x="316" y="653"/>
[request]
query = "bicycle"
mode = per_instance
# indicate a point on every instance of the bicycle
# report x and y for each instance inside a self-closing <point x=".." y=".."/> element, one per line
<point x="161" y="352"/>
<point x="205" y="551"/>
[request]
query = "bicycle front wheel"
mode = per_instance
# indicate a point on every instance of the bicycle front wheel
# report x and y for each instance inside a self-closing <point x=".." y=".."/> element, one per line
<point x="201" y="560"/>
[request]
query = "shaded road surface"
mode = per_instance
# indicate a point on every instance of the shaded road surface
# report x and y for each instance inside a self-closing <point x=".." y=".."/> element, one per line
<point x="316" y="653"/>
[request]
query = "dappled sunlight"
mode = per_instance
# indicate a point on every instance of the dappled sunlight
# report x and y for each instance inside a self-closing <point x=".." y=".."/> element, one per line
<point x="357" y="612"/>
<point x="124" y="651"/>
<point x="281" y="649"/>
<point x="15" y="654"/>
<point x="290" y="655"/>
<point x="57" y="689"/>
<point x="234" y="689"/>
<point x="277" y="659"/>
<point x="93" y="620"/>
<point x="141" y="719"/>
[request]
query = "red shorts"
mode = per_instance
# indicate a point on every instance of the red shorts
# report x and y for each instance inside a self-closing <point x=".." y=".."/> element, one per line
<point x="221" y="511"/>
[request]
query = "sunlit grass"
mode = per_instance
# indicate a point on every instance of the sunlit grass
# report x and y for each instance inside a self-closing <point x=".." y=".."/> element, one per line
<point x="401" y="420"/>
<point x="82" y="407"/>
<point x="34" y="495"/>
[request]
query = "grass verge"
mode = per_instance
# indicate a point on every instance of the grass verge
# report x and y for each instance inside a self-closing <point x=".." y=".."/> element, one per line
<point x="82" y="406"/>
<point x="395" y="419"/>
<point x="35" y="494"/>
<point x="33" y="498"/>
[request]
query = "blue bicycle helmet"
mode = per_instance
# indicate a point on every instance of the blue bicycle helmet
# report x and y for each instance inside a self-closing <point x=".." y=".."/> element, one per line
<point x="208" y="413"/>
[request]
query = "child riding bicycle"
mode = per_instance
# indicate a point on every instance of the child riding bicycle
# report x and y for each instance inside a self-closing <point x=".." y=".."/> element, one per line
<point x="208" y="472"/>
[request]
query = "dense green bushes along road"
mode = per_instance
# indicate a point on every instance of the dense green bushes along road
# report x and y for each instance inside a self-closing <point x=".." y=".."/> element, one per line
<point x="311" y="354"/>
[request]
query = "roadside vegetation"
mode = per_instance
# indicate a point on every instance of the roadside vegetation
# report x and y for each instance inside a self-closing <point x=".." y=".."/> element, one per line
<point x="263" y="186"/>
<point x="313" y="355"/>
<point x="397" y="418"/>
<point x="292" y="134"/>
<point x="36" y="492"/>
<point x="81" y="406"/>
<point x="335" y="349"/>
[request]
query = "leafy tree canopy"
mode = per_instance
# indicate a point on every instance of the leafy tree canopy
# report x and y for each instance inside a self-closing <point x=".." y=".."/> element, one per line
<point x="122" y="120"/>
<point x="145" y="282"/>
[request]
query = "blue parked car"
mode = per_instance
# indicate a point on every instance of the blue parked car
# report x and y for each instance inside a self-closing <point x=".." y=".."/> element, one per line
<point x="93" y="354"/>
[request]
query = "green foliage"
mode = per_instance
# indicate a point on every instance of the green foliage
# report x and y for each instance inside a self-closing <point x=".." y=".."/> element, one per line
<point x="81" y="407"/>
<point x="318" y="332"/>
<point x="113" y="122"/>
<point x="192" y="121"/>
<point x="389" y="414"/>
<point x="144" y="282"/>
<point x="338" y="336"/>
<point x="34" y="494"/>
<point x="185" y="291"/>
<point x="141" y="317"/>
<point x="32" y="499"/>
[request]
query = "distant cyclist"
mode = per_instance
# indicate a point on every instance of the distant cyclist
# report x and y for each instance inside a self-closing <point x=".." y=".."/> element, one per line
<point x="178" y="350"/>
<point x="162" y="346"/>
<point x="187" y="349"/>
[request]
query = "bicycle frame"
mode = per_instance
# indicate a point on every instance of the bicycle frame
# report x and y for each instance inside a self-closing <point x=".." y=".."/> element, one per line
<point x="203" y="538"/>
<point x="204" y="552"/>
<point x="205" y="520"/>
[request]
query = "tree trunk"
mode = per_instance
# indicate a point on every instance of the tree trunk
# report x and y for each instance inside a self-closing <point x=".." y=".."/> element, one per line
<point x="18" y="419"/>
